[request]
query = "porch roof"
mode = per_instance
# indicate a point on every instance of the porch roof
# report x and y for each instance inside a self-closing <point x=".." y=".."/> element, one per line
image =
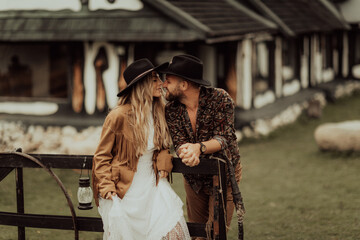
<point x="215" y="18"/>
<point x="158" y="20"/>
<point x="147" y="24"/>
<point x="301" y="16"/>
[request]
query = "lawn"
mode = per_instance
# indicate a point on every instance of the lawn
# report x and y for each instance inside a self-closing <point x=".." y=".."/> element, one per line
<point x="291" y="189"/>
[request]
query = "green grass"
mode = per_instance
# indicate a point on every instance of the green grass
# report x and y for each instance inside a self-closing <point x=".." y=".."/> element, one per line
<point x="291" y="189"/>
<point x="294" y="191"/>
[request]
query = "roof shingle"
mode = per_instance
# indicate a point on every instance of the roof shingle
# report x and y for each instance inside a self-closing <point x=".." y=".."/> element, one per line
<point x="302" y="16"/>
<point x="223" y="17"/>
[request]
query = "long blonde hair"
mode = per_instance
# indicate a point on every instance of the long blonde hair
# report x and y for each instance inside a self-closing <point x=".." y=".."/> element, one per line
<point x="142" y="102"/>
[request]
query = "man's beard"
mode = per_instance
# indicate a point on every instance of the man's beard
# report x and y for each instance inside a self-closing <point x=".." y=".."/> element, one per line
<point x="173" y="96"/>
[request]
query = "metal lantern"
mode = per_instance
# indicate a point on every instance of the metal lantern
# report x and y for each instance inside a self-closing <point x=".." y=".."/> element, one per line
<point x="85" y="193"/>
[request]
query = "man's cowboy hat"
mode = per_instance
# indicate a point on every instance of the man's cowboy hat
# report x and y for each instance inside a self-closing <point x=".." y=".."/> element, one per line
<point x="187" y="67"/>
<point x="135" y="72"/>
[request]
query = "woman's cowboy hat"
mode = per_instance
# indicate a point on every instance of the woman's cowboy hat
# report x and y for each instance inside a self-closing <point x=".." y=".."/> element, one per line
<point x="135" y="72"/>
<point x="187" y="67"/>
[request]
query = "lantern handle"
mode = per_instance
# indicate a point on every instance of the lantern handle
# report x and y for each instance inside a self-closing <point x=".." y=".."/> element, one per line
<point x="82" y="167"/>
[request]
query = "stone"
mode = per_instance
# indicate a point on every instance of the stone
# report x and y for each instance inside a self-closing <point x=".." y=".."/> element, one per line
<point x="342" y="136"/>
<point x="314" y="109"/>
<point x="262" y="127"/>
<point x="290" y="88"/>
<point x="264" y="99"/>
<point x="50" y="140"/>
<point x="83" y="143"/>
<point x="356" y="71"/>
<point x="68" y="131"/>
<point x="247" y="132"/>
<point x="276" y="122"/>
<point x="328" y="75"/>
<point x="239" y="135"/>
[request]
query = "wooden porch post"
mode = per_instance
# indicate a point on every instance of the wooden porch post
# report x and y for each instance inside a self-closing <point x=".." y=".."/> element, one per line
<point x="20" y="197"/>
<point x="278" y="67"/>
<point x="345" y="56"/>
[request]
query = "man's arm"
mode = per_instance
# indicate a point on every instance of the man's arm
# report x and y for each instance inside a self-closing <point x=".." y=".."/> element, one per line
<point x="223" y="133"/>
<point x="224" y="129"/>
<point x="175" y="128"/>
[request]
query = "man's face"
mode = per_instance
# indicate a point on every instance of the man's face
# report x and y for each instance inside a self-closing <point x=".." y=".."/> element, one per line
<point x="172" y="87"/>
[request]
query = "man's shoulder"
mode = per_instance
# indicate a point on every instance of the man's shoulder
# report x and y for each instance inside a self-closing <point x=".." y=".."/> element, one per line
<point x="222" y="92"/>
<point x="217" y="94"/>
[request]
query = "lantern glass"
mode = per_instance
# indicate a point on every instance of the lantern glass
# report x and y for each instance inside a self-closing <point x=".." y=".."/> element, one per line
<point x="84" y="194"/>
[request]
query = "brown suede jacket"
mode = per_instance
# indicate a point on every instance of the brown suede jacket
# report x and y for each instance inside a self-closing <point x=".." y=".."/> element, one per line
<point x="114" y="162"/>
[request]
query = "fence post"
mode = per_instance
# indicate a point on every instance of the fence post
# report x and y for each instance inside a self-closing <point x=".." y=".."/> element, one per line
<point x="222" y="201"/>
<point x="20" y="197"/>
<point x="220" y="187"/>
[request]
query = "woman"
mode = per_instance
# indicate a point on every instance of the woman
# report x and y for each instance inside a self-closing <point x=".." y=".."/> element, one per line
<point x="131" y="164"/>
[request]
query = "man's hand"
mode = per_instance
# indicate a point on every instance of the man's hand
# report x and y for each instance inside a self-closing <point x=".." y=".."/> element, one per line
<point x="189" y="154"/>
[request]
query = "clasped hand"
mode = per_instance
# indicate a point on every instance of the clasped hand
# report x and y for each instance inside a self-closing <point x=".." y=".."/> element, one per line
<point x="189" y="154"/>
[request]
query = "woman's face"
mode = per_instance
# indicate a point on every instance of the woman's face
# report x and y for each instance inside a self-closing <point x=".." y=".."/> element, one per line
<point x="157" y="84"/>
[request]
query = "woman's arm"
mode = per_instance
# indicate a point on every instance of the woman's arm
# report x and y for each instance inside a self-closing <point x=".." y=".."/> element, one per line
<point x="164" y="163"/>
<point x="102" y="160"/>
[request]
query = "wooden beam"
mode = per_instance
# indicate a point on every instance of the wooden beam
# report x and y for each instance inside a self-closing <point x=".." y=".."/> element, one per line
<point x="335" y="13"/>
<point x="252" y="14"/>
<point x="268" y="12"/>
<point x="90" y="224"/>
<point x="51" y="221"/>
<point x="4" y="172"/>
<point x="206" y="166"/>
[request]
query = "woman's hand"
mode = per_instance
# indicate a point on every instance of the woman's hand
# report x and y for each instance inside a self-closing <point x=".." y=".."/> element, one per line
<point x="163" y="174"/>
<point x="109" y="195"/>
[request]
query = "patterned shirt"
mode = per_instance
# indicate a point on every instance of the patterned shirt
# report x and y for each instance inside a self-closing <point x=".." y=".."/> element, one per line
<point x="214" y="120"/>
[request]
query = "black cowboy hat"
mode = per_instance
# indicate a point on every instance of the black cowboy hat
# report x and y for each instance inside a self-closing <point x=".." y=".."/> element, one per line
<point x="187" y="67"/>
<point x="135" y="72"/>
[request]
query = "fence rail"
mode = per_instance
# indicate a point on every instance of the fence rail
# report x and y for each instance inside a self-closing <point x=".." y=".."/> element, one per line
<point x="11" y="161"/>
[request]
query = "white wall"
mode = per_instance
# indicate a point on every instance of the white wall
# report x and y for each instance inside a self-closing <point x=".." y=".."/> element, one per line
<point x="74" y="5"/>
<point x="278" y="66"/>
<point x="243" y="74"/>
<point x="304" y="67"/>
<point x="132" y="5"/>
<point x="110" y="75"/>
<point x="50" y="5"/>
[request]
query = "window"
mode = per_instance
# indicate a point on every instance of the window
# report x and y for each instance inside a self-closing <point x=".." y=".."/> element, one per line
<point x="357" y="48"/>
<point x="290" y="59"/>
<point x="263" y="66"/>
<point x="34" y="70"/>
<point x="328" y="43"/>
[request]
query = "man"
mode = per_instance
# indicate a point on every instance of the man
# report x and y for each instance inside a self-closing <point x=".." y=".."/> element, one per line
<point x="201" y="123"/>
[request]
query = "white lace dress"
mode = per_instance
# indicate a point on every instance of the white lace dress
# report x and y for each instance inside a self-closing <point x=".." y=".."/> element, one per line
<point x="146" y="211"/>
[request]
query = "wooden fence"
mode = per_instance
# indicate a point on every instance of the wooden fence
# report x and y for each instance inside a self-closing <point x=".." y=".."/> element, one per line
<point x="17" y="161"/>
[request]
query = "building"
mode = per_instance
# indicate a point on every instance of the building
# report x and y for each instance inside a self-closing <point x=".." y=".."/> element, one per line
<point x="68" y="58"/>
